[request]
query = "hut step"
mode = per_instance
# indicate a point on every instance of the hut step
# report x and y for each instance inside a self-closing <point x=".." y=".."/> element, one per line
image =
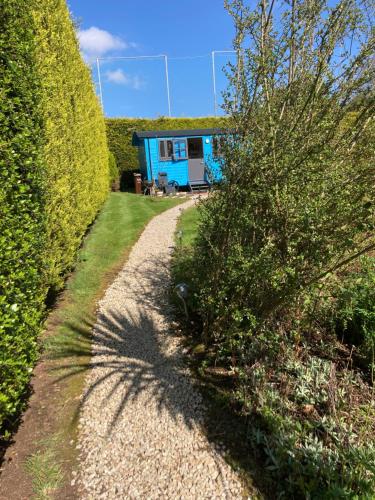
<point x="199" y="186"/>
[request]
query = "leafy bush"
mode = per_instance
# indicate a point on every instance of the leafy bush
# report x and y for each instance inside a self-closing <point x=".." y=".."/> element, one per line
<point x="75" y="150"/>
<point x="309" y="419"/>
<point x="22" y="221"/>
<point x="54" y="175"/>
<point x="296" y="206"/>
<point x="120" y="132"/>
<point x="298" y="199"/>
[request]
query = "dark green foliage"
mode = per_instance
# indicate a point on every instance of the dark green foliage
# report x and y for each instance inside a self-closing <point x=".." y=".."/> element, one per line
<point x="53" y="173"/>
<point x="309" y="422"/>
<point x="353" y="309"/>
<point x="75" y="150"/>
<point x="22" y="222"/>
<point x="295" y="208"/>
<point x="120" y="132"/>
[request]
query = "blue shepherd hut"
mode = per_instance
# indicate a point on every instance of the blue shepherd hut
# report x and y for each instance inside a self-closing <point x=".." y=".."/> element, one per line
<point x="185" y="156"/>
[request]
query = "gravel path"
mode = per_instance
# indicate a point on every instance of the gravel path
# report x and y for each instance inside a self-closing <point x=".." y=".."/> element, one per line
<point x="140" y="422"/>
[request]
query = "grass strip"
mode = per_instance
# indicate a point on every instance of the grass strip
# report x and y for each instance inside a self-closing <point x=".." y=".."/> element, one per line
<point x="68" y="328"/>
<point x="45" y="469"/>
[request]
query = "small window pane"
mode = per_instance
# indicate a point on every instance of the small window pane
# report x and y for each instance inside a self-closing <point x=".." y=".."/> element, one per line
<point x="162" y="149"/>
<point x="170" y="149"/>
<point x="180" y="150"/>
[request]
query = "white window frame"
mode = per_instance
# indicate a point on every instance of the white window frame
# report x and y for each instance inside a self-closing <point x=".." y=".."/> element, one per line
<point x="165" y="142"/>
<point x="186" y="150"/>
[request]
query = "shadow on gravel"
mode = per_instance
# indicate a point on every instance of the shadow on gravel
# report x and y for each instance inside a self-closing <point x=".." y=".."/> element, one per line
<point x="127" y="350"/>
<point x="129" y="358"/>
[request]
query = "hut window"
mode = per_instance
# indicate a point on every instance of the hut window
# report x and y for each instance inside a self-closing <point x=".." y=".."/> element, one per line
<point x="165" y="150"/>
<point x="217" y="146"/>
<point x="179" y="149"/>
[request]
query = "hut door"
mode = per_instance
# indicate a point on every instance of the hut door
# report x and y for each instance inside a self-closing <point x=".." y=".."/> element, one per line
<point x="195" y="159"/>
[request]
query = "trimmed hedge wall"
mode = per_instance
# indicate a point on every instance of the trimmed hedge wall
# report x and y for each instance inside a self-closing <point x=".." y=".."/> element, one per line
<point x="120" y="133"/>
<point x="76" y="146"/>
<point x="22" y="221"/>
<point x="53" y="175"/>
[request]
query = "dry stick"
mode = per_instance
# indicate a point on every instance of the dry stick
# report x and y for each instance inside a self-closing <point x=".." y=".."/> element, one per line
<point x="336" y="16"/>
<point x="264" y="41"/>
<point x="261" y="47"/>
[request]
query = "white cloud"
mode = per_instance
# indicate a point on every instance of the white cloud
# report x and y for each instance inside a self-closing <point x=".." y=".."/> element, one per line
<point x="118" y="77"/>
<point x="95" y="42"/>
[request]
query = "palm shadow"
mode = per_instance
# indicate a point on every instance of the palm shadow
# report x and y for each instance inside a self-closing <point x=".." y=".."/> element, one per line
<point x="128" y="351"/>
<point x="133" y="349"/>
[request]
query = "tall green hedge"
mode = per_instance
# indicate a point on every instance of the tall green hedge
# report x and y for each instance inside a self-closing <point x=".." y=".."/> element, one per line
<point x="22" y="221"/>
<point x="120" y="132"/>
<point x="53" y="175"/>
<point x="76" y="146"/>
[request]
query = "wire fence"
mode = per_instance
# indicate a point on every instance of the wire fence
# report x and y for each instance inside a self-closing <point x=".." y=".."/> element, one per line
<point x="158" y="85"/>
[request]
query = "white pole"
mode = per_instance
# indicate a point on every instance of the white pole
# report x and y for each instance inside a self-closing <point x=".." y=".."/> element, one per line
<point x="167" y="80"/>
<point x="100" y="84"/>
<point x="130" y="57"/>
<point x="214" y="81"/>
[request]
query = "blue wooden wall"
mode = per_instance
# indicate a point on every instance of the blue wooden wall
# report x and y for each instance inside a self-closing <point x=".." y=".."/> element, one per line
<point x="177" y="170"/>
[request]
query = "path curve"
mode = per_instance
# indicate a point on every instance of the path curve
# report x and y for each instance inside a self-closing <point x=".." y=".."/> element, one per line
<point x="140" y="423"/>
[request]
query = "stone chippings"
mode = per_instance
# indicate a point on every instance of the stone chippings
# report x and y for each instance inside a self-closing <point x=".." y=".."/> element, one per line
<point x="140" y="423"/>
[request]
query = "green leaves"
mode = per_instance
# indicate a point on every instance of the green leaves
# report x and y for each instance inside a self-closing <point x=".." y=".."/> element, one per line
<point x="75" y="149"/>
<point x="53" y="175"/>
<point x="295" y="208"/>
<point x="22" y="223"/>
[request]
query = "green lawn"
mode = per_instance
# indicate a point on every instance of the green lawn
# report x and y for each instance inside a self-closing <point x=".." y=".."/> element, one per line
<point x="105" y="249"/>
<point x="188" y="224"/>
<point x="183" y="258"/>
<point x="68" y="328"/>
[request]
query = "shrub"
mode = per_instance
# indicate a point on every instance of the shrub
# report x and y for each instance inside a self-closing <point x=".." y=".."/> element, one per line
<point x="298" y="199"/>
<point x="22" y="221"/>
<point x="54" y="175"/>
<point x="353" y="310"/>
<point x="295" y="207"/>
<point x="75" y="150"/>
<point x="309" y="419"/>
<point x="120" y="132"/>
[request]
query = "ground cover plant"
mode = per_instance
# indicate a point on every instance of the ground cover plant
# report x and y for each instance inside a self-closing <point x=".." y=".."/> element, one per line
<point x="295" y="211"/>
<point x="54" y="171"/>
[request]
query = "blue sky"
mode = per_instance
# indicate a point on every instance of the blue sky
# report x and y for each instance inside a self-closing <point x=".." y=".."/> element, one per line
<point x="177" y="28"/>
